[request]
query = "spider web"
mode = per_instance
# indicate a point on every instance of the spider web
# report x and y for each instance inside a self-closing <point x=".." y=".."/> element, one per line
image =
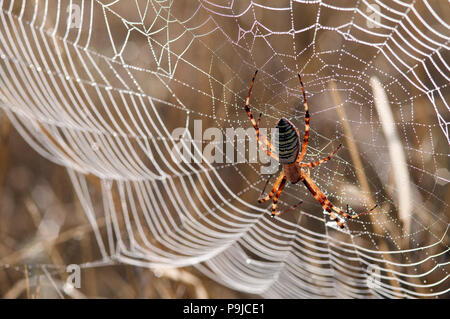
<point x="99" y="87"/>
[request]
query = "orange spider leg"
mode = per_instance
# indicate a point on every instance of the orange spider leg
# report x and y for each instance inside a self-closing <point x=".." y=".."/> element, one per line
<point x="326" y="204"/>
<point x="259" y="120"/>
<point x="274" y="188"/>
<point x="339" y="211"/>
<point x="351" y="216"/>
<point x="314" y="190"/>
<point x="277" y="196"/>
<point x="286" y="210"/>
<point x="307" y="119"/>
<point x="262" y="140"/>
<point x="314" y="164"/>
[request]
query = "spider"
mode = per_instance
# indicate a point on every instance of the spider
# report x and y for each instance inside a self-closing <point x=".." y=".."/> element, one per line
<point x="290" y="156"/>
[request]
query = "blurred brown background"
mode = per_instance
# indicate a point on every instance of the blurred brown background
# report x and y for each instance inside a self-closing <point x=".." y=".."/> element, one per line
<point x="43" y="228"/>
<point x="35" y="193"/>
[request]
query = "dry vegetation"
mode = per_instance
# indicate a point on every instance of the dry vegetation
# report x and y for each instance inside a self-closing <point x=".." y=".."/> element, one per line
<point x="42" y="224"/>
<point x="43" y="227"/>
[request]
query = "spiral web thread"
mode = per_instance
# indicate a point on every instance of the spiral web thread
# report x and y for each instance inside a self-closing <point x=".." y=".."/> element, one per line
<point x="99" y="86"/>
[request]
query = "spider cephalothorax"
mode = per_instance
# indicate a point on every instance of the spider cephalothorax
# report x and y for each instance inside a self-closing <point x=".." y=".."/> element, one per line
<point x="290" y="156"/>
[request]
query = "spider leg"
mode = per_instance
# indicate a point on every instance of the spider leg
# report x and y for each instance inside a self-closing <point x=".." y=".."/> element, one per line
<point x="262" y="199"/>
<point x="287" y="209"/>
<point x="314" y="190"/>
<point x="277" y="195"/>
<point x="307" y="119"/>
<point x="340" y="212"/>
<point x="278" y="186"/>
<point x="314" y="164"/>
<point x="321" y="198"/>
<point x="259" y="120"/>
<point x="262" y="140"/>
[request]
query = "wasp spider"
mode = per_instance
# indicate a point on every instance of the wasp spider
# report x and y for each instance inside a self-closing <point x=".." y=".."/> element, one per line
<point x="290" y="156"/>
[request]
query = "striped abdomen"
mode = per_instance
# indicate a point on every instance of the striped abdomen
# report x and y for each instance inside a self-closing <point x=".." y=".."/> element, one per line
<point x="286" y="141"/>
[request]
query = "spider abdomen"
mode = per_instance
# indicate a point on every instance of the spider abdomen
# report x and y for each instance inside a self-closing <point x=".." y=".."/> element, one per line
<point x="286" y="141"/>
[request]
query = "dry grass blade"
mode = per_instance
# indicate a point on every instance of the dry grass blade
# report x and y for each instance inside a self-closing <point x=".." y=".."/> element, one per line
<point x="397" y="156"/>
<point x="353" y="148"/>
<point x="360" y="173"/>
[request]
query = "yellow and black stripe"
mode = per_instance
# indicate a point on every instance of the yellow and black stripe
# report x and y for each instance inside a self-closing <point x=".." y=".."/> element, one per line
<point x="286" y="141"/>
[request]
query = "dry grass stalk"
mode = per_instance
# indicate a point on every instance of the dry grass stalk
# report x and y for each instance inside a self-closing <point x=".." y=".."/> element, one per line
<point x="396" y="153"/>
<point x="360" y="173"/>
<point x="16" y="290"/>
<point x="75" y="232"/>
